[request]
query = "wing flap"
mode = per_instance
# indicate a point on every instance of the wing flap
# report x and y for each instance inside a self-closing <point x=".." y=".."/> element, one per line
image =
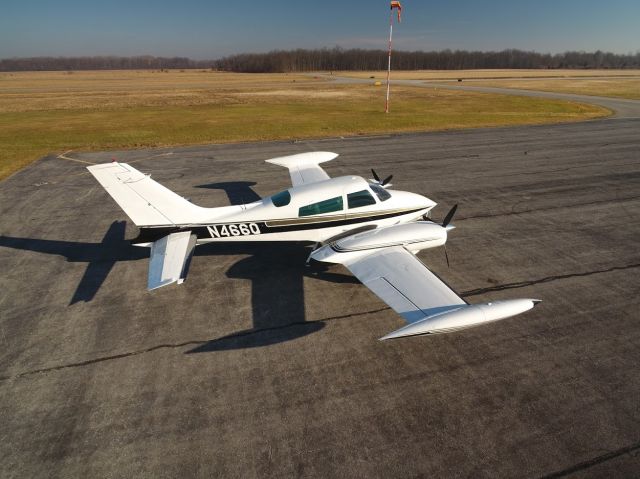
<point x="399" y="302"/>
<point x="170" y="259"/>
<point x="402" y="281"/>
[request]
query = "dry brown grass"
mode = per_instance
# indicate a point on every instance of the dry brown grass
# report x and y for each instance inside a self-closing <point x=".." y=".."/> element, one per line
<point x="126" y="80"/>
<point x="37" y="91"/>
<point x="612" y="83"/>
<point x="611" y="87"/>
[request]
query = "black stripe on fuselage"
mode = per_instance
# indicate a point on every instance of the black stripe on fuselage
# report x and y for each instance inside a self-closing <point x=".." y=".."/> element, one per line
<point x="154" y="233"/>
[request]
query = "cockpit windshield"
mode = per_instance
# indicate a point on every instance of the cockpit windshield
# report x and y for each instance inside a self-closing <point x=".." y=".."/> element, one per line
<point x="281" y="199"/>
<point x="380" y="192"/>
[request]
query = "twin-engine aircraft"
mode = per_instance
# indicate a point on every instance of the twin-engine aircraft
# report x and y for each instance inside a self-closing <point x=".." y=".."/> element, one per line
<point x="373" y="231"/>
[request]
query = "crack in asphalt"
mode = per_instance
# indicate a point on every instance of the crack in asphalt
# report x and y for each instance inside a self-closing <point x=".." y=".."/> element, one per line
<point x="547" y="279"/>
<point x="592" y="462"/>
<point x="100" y="359"/>
<point x="465" y="294"/>
<point x="185" y="343"/>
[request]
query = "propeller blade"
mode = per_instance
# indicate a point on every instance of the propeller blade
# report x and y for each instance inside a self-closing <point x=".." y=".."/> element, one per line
<point x="446" y="255"/>
<point x="375" y="175"/>
<point x="386" y="180"/>
<point x="449" y="217"/>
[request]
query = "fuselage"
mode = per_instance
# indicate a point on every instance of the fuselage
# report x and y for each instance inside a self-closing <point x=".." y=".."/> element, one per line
<point x="313" y="212"/>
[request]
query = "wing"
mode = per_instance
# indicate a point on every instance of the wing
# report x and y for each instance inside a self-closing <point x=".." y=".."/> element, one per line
<point x="402" y="281"/>
<point x="304" y="168"/>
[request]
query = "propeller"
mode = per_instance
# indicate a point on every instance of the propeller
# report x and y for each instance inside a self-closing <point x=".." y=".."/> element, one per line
<point x="449" y="217"/>
<point x="445" y="223"/>
<point x="377" y="178"/>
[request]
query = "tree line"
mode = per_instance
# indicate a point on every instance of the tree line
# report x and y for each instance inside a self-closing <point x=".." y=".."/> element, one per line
<point x="325" y="59"/>
<point x="356" y="59"/>
<point x="145" y="62"/>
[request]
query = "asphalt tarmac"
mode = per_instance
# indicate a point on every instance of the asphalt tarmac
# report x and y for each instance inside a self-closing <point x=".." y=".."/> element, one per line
<point x="258" y="366"/>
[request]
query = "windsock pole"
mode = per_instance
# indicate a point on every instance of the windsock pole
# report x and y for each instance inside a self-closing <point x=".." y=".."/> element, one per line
<point x="386" y="106"/>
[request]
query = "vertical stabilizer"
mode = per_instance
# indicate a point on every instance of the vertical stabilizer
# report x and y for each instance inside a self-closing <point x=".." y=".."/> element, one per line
<point x="144" y="200"/>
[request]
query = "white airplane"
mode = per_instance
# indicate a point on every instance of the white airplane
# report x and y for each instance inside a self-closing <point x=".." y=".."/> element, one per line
<point x="372" y="231"/>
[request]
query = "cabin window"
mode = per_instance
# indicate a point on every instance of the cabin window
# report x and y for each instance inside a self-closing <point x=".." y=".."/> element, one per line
<point x="360" y="198"/>
<point x="380" y="192"/>
<point x="326" y="206"/>
<point x="281" y="199"/>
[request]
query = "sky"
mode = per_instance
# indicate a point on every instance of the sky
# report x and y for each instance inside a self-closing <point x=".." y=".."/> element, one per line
<point x="210" y="29"/>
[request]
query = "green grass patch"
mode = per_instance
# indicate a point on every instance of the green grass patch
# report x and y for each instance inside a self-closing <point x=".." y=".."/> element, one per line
<point x="28" y="135"/>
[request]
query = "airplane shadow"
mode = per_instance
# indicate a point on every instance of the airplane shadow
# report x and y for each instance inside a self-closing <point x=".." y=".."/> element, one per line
<point x="100" y="257"/>
<point x="276" y="272"/>
<point x="238" y="192"/>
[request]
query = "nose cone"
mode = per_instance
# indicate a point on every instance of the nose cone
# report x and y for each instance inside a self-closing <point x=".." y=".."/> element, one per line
<point x="413" y="200"/>
<point x="423" y="201"/>
<point x="427" y="202"/>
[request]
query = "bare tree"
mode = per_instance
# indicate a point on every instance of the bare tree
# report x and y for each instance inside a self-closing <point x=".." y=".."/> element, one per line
<point x="330" y="59"/>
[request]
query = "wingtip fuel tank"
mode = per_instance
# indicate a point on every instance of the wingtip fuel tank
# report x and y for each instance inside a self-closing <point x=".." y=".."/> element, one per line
<point x="466" y="316"/>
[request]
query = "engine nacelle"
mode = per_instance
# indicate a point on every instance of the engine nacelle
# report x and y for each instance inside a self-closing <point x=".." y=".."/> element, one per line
<point x="413" y="236"/>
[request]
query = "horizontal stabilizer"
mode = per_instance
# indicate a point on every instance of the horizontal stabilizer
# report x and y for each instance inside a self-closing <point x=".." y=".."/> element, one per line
<point x="303" y="167"/>
<point x="170" y="259"/>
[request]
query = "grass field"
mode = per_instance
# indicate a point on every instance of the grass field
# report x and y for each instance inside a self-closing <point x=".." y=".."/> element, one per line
<point x="612" y="87"/>
<point x="612" y="83"/>
<point x="492" y="74"/>
<point x="49" y="112"/>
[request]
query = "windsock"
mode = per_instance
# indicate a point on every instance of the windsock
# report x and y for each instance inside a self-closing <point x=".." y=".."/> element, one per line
<point x="398" y="6"/>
